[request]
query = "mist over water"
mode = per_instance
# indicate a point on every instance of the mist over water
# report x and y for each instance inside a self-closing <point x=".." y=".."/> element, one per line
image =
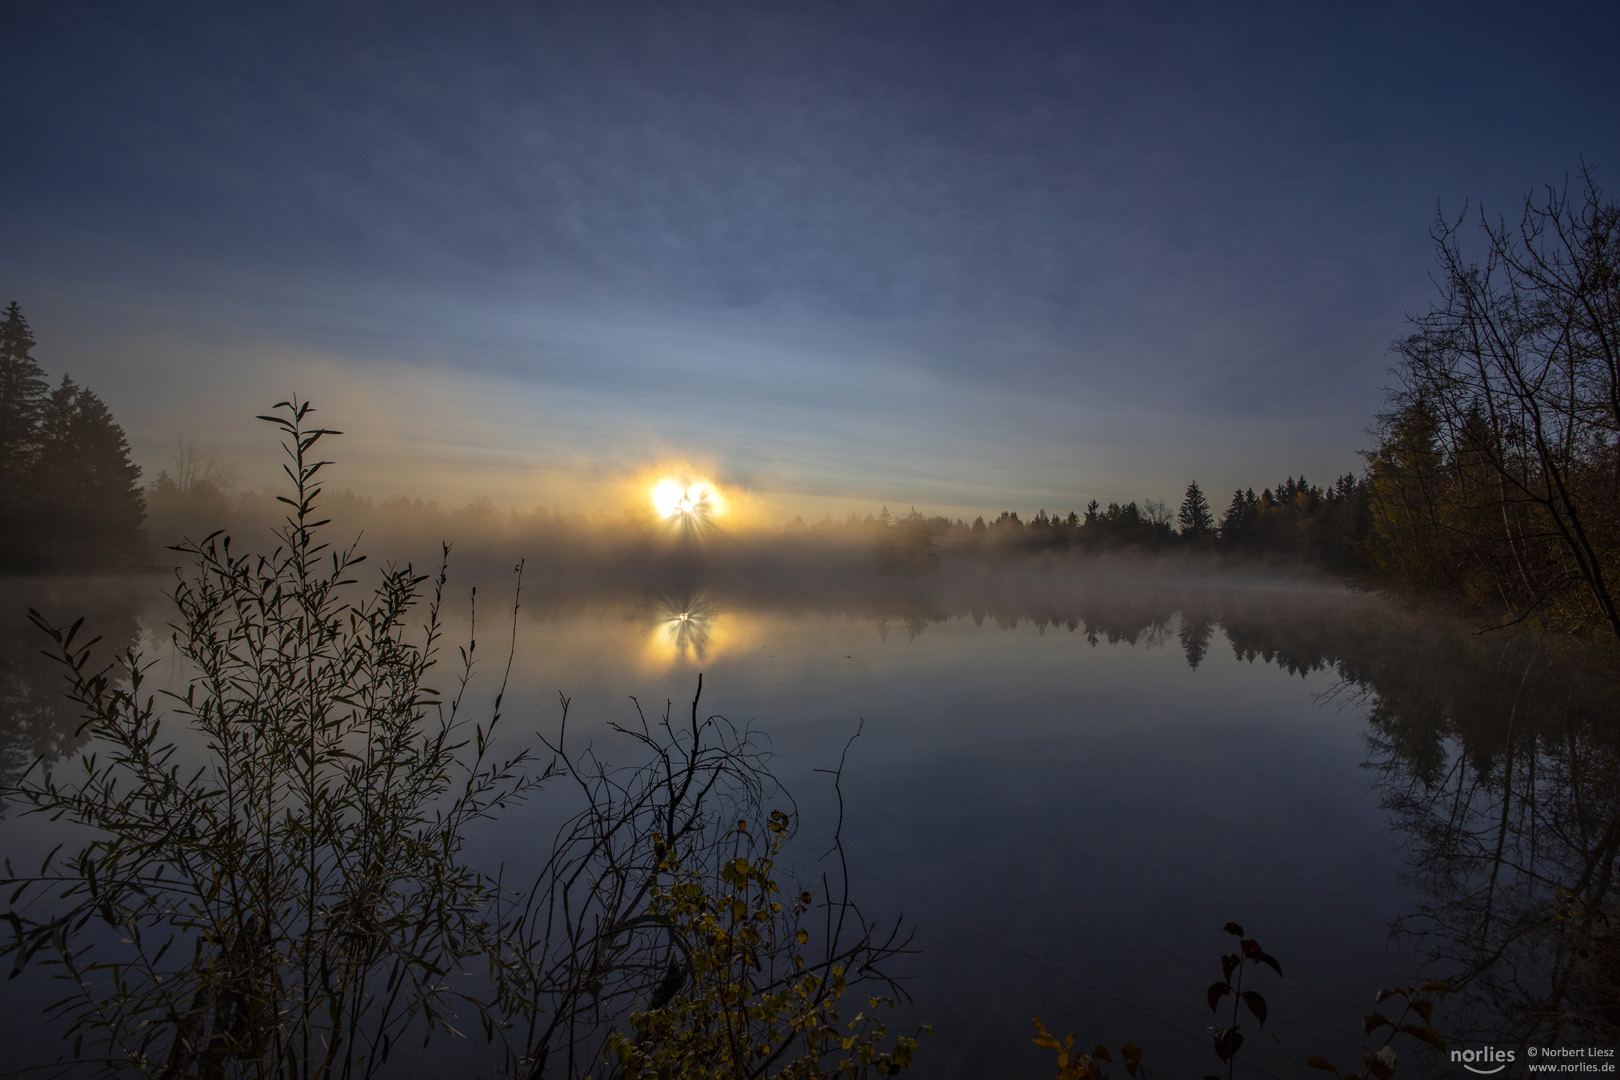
<point x="1035" y="420"/>
<point x="1070" y="771"/>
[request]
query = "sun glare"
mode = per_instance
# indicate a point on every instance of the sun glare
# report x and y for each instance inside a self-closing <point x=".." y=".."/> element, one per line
<point x="675" y="500"/>
<point x="684" y="627"/>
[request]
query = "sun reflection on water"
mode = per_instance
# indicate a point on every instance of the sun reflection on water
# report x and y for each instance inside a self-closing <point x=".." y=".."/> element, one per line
<point x="685" y="628"/>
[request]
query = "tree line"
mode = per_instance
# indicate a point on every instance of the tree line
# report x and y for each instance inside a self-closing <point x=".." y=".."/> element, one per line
<point x="1495" y="479"/>
<point x="1497" y="474"/>
<point x="1295" y="521"/>
<point x="69" y="493"/>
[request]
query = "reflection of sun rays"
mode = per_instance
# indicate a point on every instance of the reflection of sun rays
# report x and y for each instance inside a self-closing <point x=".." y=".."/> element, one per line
<point x="684" y="627"/>
<point x="688" y="510"/>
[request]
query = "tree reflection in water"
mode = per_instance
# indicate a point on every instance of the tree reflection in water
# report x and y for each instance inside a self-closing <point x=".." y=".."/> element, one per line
<point x="1505" y="781"/>
<point x="1495" y="755"/>
<point x="37" y="722"/>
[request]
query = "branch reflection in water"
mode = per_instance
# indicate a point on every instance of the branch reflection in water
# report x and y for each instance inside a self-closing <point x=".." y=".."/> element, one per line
<point x="37" y="721"/>
<point x="1495" y="756"/>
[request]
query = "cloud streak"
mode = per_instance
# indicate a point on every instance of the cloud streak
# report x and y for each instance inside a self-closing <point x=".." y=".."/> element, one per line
<point x="1095" y="243"/>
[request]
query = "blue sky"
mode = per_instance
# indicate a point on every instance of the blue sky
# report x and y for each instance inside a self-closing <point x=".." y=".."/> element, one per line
<point x="963" y="256"/>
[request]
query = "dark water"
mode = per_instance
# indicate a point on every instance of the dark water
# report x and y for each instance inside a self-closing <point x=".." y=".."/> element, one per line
<point x="1067" y="785"/>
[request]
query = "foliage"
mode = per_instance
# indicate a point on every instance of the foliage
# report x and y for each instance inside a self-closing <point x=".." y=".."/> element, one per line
<point x="1497" y="477"/>
<point x="633" y="919"/>
<point x="69" y="494"/>
<point x="193" y="495"/>
<point x="291" y="905"/>
<point x="1194" y="518"/>
<point x="905" y="545"/>
<point x="1297" y="521"/>
<point x="37" y="721"/>
<point x="87" y="504"/>
<point x="22" y="393"/>
<point x="1229" y="1039"/>
<point x="282" y="890"/>
<point x="1416" y="1019"/>
<point x="729" y="1006"/>
<point x="1074" y="1065"/>
<point x="1298" y="518"/>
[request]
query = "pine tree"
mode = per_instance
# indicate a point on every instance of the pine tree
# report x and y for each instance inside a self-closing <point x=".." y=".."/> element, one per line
<point x="1194" y="518"/>
<point x="22" y="396"/>
<point x="1242" y="515"/>
<point x="89" y="502"/>
<point x="69" y="493"/>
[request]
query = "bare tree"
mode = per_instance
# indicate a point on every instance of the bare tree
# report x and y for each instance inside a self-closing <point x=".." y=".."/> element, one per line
<point x="1518" y="365"/>
<point x="192" y="469"/>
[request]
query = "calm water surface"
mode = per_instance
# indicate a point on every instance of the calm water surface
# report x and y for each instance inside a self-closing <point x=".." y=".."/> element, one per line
<point x="1066" y="788"/>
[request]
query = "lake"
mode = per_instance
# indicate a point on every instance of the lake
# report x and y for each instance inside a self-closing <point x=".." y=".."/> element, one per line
<point x="1067" y="780"/>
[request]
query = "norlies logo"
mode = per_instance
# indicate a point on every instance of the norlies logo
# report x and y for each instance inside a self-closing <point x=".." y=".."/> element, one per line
<point x="1486" y="1061"/>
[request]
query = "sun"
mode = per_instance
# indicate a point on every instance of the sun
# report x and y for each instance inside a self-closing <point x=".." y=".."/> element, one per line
<point x="699" y="499"/>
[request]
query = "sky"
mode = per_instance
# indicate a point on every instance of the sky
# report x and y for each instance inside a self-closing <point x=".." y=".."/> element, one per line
<point x="958" y="256"/>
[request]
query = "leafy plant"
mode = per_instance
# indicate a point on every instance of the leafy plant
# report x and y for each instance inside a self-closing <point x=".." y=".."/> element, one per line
<point x="739" y="998"/>
<point x="280" y="889"/>
<point x="1229" y="1039"/>
<point x="1084" y="1066"/>
<point x="660" y="917"/>
<point x="282" y="886"/>
<point x="1379" y="1062"/>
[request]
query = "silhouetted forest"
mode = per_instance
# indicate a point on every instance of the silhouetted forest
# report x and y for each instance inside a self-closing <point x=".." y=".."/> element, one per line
<point x="1494" y="482"/>
<point x="1497" y="474"/>
<point x="1295" y="521"/>
<point x="69" y="493"/>
<point x="1495" y="754"/>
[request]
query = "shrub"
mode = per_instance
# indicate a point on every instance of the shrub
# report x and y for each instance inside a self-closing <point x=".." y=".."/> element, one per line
<point x="292" y="904"/>
<point x="282" y="890"/>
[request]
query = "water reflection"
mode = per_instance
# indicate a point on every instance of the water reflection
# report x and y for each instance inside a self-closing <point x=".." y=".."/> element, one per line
<point x="1501" y="770"/>
<point x="37" y="723"/>
<point x="1496" y="757"/>
<point x="685" y="627"/>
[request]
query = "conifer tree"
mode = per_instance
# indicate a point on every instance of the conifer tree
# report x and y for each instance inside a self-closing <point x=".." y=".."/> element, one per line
<point x="69" y="493"/>
<point x="89" y="505"/>
<point x="22" y="395"/>
<point x="1194" y="517"/>
<point x="1237" y="526"/>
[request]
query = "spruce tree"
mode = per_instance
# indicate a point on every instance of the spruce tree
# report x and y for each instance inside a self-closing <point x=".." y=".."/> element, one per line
<point x="69" y="493"/>
<point x="22" y="395"/>
<point x="1238" y="526"/>
<point x="1194" y="518"/>
<point x="90" y="506"/>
